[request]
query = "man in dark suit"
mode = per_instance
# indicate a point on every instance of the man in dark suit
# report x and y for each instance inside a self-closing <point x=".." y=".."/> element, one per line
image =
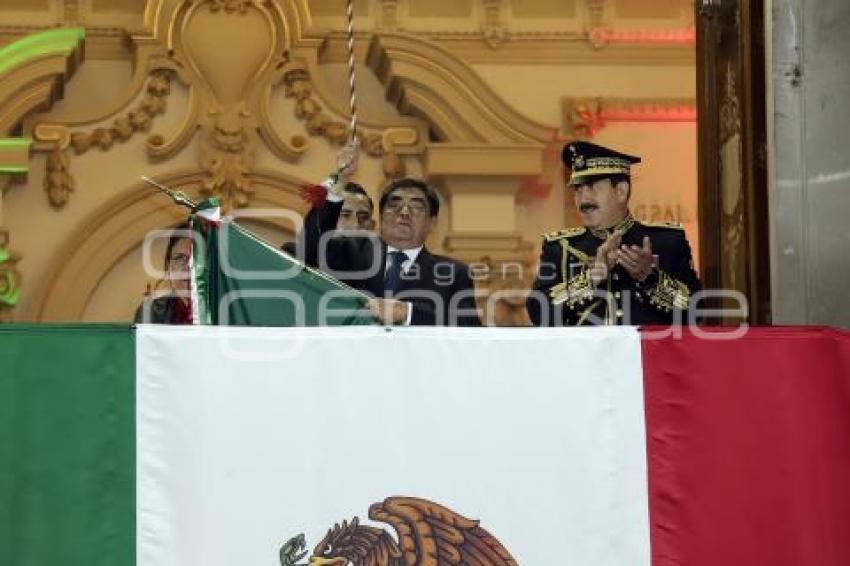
<point x="409" y="284"/>
<point x="356" y="213"/>
<point x="613" y="269"/>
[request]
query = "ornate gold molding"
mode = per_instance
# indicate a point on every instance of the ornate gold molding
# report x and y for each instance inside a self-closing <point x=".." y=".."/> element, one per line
<point x="730" y="112"/>
<point x="493" y="26"/>
<point x="10" y="278"/>
<point x="55" y="139"/>
<point x="584" y="117"/>
<point x="424" y="79"/>
<point x="231" y="55"/>
<point x="594" y="32"/>
<point x="402" y="136"/>
<point x="317" y="122"/>
<point x="534" y="48"/>
<point x="388" y="19"/>
<point x="230" y="5"/>
<point x="137" y="120"/>
<point x="228" y="52"/>
<point x="58" y="181"/>
<point x="33" y="72"/>
<point x="596" y="14"/>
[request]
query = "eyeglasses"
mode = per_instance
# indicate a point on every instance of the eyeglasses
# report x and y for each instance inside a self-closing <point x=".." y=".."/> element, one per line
<point x="397" y="204"/>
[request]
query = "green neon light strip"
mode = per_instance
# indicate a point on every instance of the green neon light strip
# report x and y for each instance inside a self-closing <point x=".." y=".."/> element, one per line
<point x="51" y="42"/>
<point x="15" y="143"/>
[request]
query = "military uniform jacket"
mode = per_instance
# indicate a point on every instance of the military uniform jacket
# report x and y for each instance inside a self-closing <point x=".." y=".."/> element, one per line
<point x="564" y="293"/>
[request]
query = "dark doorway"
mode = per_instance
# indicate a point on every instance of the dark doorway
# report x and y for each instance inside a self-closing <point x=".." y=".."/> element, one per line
<point x="732" y="147"/>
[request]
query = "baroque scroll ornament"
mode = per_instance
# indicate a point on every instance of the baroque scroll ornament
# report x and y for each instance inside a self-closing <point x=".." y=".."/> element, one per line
<point x="231" y="55"/>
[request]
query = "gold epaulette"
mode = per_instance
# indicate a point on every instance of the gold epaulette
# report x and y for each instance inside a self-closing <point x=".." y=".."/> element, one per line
<point x="672" y="225"/>
<point x="565" y="233"/>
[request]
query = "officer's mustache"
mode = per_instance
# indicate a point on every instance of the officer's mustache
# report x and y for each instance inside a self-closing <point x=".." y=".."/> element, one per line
<point x="588" y="206"/>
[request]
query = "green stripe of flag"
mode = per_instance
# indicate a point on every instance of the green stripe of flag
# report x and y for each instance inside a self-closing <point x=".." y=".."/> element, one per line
<point x="67" y="445"/>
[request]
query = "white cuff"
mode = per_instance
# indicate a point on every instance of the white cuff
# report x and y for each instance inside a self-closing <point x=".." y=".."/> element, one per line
<point x="335" y="187"/>
<point x="409" y="314"/>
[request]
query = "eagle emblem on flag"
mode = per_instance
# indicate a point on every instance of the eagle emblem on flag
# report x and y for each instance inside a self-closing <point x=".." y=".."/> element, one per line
<point x="427" y="534"/>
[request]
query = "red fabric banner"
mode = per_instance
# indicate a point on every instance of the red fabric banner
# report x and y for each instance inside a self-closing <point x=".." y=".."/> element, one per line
<point x="748" y="446"/>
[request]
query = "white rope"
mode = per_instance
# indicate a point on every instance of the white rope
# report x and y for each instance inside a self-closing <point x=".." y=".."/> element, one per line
<point x="351" y="73"/>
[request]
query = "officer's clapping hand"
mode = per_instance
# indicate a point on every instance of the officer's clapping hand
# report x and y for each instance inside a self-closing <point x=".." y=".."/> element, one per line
<point x="637" y="260"/>
<point x="606" y="258"/>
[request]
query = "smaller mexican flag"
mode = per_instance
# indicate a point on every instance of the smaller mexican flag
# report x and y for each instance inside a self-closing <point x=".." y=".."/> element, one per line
<point x="240" y="280"/>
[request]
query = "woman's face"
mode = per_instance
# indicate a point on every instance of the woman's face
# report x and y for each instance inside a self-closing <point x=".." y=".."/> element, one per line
<point x="178" y="264"/>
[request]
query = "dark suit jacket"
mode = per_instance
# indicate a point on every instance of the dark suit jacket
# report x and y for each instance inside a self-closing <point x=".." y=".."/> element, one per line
<point x="439" y="288"/>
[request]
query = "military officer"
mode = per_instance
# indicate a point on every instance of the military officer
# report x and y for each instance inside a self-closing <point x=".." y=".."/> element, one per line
<point x="613" y="269"/>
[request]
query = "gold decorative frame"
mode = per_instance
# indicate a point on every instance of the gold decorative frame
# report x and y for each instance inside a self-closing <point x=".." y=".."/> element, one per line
<point x="231" y="55"/>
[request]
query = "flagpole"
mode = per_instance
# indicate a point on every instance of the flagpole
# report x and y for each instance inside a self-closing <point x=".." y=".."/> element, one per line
<point x="179" y="197"/>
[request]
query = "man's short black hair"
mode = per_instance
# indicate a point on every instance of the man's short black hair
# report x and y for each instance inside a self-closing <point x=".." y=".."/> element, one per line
<point x="356" y="189"/>
<point x="411" y="183"/>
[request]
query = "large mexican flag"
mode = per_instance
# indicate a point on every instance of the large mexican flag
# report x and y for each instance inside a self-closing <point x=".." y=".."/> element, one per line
<point x="213" y="446"/>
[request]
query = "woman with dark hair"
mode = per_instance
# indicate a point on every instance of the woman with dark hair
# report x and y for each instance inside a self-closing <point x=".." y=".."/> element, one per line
<point x="174" y="305"/>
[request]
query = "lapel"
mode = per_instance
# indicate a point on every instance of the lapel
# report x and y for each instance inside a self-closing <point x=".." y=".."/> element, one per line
<point x="362" y="259"/>
<point x="420" y="272"/>
<point x="417" y="277"/>
<point x="376" y="283"/>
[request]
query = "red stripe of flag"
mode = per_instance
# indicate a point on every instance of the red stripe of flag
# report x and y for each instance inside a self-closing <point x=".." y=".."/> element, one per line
<point x="748" y="446"/>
